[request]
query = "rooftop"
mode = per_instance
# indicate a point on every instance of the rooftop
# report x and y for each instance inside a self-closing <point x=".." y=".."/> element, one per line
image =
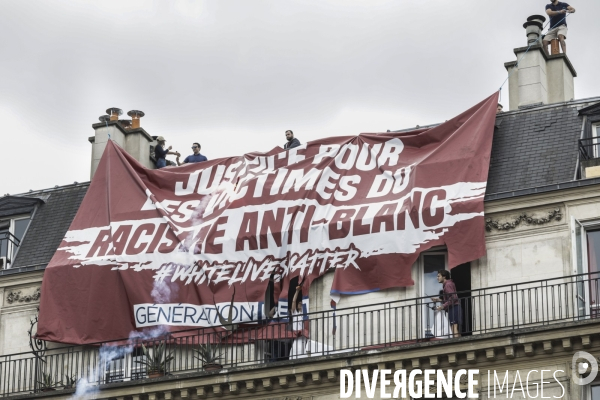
<point x="534" y="150"/>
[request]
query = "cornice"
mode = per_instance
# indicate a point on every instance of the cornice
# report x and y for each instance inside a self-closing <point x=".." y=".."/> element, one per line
<point x="578" y="194"/>
<point x="554" y="344"/>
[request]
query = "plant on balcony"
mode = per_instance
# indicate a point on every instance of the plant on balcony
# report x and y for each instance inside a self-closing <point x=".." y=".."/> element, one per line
<point x="70" y="381"/>
<point x="47" y="383"/>
<point x="209" y="355"/>
<point x="156" y="360"/>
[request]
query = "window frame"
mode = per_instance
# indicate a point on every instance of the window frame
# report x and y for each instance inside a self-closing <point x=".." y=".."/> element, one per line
<point x="584" y="226"/>
<point x="595" y="136"/>
<point x="13" y="249"/>
<point x="421" y="271"/>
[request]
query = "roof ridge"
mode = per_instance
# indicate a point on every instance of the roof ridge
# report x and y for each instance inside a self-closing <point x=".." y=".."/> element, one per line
<point x="57" y="187"/>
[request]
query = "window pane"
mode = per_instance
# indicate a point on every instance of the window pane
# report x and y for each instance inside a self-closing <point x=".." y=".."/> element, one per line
<point x="596" y="392"/>
<point x="431" y="265"/>
<point x="3" y="242"/>
<point x="20" y="227"/>
<point x="593" y="247"/>
<point x="593" y="242"/>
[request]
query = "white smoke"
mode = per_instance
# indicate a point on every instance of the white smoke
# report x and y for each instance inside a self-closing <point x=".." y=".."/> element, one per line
<point x="161" y="292"/>
<point x="87" y="387"/>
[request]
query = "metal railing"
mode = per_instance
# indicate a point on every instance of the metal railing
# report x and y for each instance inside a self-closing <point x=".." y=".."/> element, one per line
<point x="383" y="325"/>
<point x="8" y="246"/>
<point x="589" y="149"/>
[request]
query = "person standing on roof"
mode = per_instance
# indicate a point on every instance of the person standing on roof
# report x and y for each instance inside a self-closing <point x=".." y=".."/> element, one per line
<point x="291" y="140"/>
<point x="558" y="23"/>
<point x="160" y="152"/>
<point x="194" y="158"/>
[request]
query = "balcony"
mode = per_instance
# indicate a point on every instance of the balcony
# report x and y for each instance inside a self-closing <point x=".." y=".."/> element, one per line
<point x="536" y="304"/>
<point x="9" y="244"/>
<point x="589" y="157"/>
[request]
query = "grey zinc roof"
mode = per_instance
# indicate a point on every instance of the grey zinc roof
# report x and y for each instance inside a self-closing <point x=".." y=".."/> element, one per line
<point x="535" y="147"/>
<point x="49" y="225"/>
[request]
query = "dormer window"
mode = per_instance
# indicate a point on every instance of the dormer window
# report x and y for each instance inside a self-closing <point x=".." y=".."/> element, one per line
<point x="15" y="214"/>
<point x="589" y="144"/>
<point x="11" y="234"/>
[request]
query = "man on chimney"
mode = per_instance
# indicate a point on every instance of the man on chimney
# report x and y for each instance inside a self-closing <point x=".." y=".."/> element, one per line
<point x="291" y="140"/>
<point x="194" y="158"/>
<point x="558" y="23"/>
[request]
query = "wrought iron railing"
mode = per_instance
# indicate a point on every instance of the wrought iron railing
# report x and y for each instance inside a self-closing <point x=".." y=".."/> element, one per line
<point x="351" y="329"/>
<point x="589" y="148"/>
<point x="8" y="246"/>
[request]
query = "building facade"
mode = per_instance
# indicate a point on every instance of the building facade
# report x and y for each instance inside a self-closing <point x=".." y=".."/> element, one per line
<point x="528" y="306"/>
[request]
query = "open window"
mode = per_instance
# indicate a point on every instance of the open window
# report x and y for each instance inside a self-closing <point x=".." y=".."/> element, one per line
<point x="435" y="324"/>
<point x="12" y="231"/>
<point x="586" y="267"/>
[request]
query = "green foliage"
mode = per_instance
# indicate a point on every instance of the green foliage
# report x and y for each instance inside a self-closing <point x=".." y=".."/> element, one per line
<point x="70" y="381"/>
<point x="47" y="382"/>
<point x="157" y="359"/>
<point x="208" y="354"/>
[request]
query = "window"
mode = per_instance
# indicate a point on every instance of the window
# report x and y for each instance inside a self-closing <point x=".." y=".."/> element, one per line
<point x="595" y="392"/>
<point x="593" y="259"/>
<point x="586" y="260"/>
<point x="11" y="234"/>
<point x="433" y="324"/>
<point x="596" y="140"/>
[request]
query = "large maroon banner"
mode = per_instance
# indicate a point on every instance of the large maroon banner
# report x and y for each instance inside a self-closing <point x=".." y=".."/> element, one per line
<point x="173" y="247"/>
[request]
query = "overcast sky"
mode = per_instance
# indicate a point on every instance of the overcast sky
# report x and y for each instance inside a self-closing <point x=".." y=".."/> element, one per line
<point x="234" y="75"/>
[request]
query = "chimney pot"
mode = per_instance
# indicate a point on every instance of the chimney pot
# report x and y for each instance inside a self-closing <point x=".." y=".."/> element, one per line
<point x="135" y="118"/>
<point x="114" y="113"/>
<point x="533" y="30"/>
<point x="539" y="18"/>
<point x="104" y="118"/>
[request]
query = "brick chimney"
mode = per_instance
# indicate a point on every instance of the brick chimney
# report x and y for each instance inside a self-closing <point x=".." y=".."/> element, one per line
<point x="538" y="78"/>
<point x="127" y="134"/>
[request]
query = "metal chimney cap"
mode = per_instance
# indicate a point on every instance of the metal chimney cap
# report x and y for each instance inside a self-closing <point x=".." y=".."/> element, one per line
<point x="104" y="118"/>
<point x="537" y="17"/>
<point x="136" y="114"/>
<point x="125" y="122"/>
<point x="531" y="23"/>
<point x="114" y="111"/>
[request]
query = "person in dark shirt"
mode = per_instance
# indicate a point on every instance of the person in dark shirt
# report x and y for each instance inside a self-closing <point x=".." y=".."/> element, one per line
<point x="291" y="140"/>
<point x="557" y="11"/>
<point x="450" y="302"/>
<point x="194" y="158"/>
<point x="161" y="152"/>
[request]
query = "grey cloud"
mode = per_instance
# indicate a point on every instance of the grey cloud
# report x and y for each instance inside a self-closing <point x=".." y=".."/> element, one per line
<point x="235" y="74"/>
